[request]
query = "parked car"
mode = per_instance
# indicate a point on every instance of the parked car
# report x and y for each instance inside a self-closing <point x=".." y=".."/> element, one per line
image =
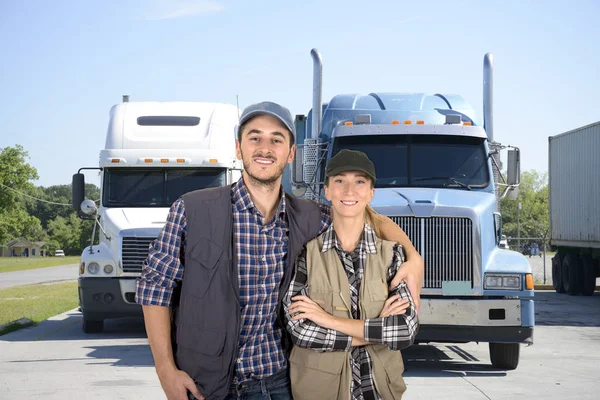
<point x="59" y="253"/>
<point x="503" y="243"/>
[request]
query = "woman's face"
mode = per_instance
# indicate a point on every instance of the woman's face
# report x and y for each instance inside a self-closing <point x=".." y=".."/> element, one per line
<point x="349" y="193"/>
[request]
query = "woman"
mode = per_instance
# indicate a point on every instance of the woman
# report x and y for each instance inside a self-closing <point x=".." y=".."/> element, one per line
<point x="346" y="325"/>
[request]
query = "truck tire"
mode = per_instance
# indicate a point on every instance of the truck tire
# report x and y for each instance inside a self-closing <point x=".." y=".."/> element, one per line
<point x="588" y="276"/>
<point x="557" y="274"/>
<point x="571" y="271"/>
<point x="90" y="326"/>
<point x="505" y="355"/>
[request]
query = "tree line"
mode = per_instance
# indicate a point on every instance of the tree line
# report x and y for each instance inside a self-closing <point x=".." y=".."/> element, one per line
<point x="59" y="226"/>
<point x="51" y="220"/>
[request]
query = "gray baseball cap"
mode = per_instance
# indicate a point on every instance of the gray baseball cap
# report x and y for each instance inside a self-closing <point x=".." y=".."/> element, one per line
<point x="269" y="108"/>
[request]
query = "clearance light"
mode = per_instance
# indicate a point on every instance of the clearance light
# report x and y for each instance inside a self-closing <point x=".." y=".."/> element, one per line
<point x="114" y="160"/>
<point x="348" y="123"/>
<point x="407" y="122"/>
<point x="420" y="122"/>
<point x="213" y="161"/>
<point x="82" y="268"/>
<point x="395" y="122"/>
<point x="164" y="160"/>
<point x="180" y="160"/>
<point x="467" y="123"/>
<point x="529" y="281"/>
<point x="148" y="160"/>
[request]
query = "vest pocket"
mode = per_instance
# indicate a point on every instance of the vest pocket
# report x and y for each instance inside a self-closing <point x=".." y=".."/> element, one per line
<point x="200" y="267"/>
<point x="316" y="375"/>
<point x="205" y="341"/>
<point x="323" y="298"/>
<point x="377" y="292"/>
<point x="394" y="367"/>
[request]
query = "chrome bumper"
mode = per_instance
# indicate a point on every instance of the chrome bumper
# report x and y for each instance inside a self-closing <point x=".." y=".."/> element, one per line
<point x="475" y="312"/>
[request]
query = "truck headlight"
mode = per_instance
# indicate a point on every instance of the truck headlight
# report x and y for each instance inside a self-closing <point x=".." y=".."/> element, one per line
<point x="93" y="268"/>
<point x="108" y="269"/>
<point x="503" y="281"/>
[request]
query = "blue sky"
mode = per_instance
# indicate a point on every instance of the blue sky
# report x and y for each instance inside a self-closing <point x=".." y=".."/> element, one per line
<point x="64" y="63"/>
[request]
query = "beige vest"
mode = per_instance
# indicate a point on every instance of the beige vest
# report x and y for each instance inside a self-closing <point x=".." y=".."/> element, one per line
<point x="327" y="375"/>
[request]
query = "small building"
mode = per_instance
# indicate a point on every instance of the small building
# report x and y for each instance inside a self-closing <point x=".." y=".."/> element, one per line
<point x="22" y="247"/>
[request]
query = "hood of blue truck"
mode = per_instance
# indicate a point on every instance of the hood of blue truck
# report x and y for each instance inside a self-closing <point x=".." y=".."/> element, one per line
<point x="427" y="202"/>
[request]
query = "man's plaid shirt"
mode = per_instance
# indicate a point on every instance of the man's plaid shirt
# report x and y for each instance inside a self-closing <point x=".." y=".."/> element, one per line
<point x="396" y="331"/>
<point x="261" y="252"/>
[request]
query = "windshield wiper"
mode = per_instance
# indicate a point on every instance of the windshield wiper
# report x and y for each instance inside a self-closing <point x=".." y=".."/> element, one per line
<point x="446" y="179"/>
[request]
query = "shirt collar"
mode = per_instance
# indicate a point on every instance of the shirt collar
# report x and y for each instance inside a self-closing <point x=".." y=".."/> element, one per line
<point x="242" y="200"/>
<point x="365" y="245"/>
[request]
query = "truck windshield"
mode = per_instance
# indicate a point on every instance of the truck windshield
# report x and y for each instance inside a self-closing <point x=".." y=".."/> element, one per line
<point x="155" y="187"/>
<point x="423" y="160"/>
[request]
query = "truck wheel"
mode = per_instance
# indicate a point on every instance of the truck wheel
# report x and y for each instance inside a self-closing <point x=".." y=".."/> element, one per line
<point x="588" y="276"/>
<point x="557" y="274"/>
<point x="571" y="270"/>
<point x="92" y="326"/>
<point x="505" y="355"/>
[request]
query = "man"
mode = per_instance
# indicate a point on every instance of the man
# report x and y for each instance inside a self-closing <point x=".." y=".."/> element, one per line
<point x="237" y="244"/>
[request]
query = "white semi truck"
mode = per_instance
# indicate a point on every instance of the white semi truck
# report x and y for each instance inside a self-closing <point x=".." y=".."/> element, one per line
<point x="154" y="153"/>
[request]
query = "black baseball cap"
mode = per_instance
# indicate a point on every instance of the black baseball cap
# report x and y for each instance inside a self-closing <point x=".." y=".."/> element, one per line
<point x="269" y="108"/>
<point x="350" y="160"/>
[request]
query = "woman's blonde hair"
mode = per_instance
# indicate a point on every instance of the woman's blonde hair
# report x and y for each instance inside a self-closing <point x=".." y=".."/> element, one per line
<point x="374" y="219"/>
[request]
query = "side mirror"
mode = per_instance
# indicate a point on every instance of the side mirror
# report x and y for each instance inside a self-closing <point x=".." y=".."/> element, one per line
<point x="297" y="173"/>
<point x="513" y="193"/>
<point x="514" y="167"/>
<point x="78" y="191"/>
<point x="297" y="167"/>
<point x="88" y="207"/>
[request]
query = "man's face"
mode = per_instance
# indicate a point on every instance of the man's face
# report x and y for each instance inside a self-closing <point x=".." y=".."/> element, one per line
<point x="265" y="149"/>
<point x="349" y="193"/>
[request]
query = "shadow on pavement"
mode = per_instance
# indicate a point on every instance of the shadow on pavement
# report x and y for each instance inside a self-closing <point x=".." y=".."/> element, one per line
<point x="68" y="327"/>
<point x="431" y="361"/>
<point x="560" y="309"/>
<point x="132" y="355"/>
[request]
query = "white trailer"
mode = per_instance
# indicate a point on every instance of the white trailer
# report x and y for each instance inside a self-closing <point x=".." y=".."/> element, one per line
<point x="574" y="191"/>
<point x="154" y="153"/>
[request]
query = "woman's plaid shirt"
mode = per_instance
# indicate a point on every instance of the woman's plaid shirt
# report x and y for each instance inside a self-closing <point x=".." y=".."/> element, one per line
<point x="396" y="331"/>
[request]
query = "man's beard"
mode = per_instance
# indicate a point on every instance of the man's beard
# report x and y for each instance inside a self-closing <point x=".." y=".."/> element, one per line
<point x="268" y="181"/>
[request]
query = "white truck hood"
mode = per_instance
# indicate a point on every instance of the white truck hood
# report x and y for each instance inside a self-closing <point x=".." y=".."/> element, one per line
<point x="136" y="218"/>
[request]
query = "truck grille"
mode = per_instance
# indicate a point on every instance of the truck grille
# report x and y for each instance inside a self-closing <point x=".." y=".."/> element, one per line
<point x="446" y="245"/>
<point x="134" y="252"/>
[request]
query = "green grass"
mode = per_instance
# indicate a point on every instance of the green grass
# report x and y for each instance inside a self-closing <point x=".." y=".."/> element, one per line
<point x="9" y="264"/>
<point x="36" y="302"/>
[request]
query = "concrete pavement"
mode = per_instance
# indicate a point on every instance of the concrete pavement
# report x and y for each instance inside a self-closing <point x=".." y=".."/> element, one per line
<point x="56" y="360"/>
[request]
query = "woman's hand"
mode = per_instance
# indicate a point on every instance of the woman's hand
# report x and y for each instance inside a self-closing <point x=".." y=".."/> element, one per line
<point x="394" y="306"/>
<point x="304" y="307"/>
<point x="411" y="272"/>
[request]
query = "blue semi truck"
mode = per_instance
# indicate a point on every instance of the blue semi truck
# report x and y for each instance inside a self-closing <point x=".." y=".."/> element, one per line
<point x="439" y="177"/>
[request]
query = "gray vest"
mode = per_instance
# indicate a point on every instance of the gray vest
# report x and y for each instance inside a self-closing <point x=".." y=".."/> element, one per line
<point x="206" y="311"/>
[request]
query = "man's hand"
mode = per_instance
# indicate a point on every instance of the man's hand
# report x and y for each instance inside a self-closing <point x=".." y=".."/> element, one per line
<point x="411" y="272"/>
<point x="305" y="307"/>
<point x="176" y="384"/>
<point x="394" y="306"/>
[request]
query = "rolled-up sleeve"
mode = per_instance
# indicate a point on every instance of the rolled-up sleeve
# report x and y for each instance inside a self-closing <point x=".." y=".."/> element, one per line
<point x="163" y="268"/>
<point x="396" y="331"/>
